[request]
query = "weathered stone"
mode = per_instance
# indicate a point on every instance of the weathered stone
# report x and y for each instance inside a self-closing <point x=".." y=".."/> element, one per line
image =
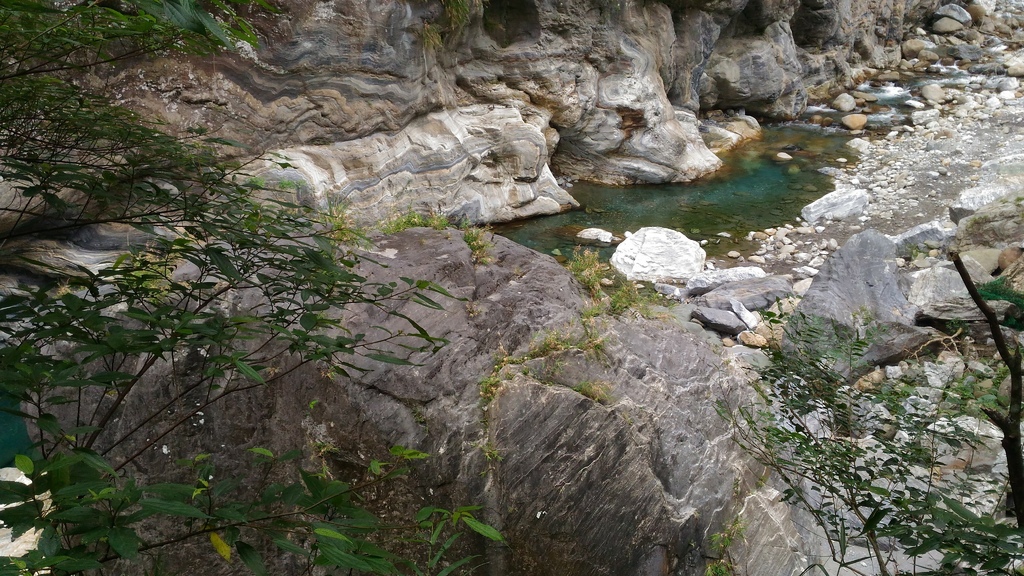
<point x="711" y="279"/>
<point x="753" y="293"/>
<point x="485" y="164"/>
<point x="911" y="48"/>
<point x="844" y="103"/>
<point x="837" y="205"/>
<point x="922" y="237"/>
<point x="721" y="321"/>
<point x="753" y="339"/>
<point x="861" y="145"/>
<point x="658" y="255"/>
<point x="922" y="117"/>
<point x="1008" y="256"/>
<point x="995" y="225"/>
<point x="928" y="56"/>
<point x="761" y="74"/>
<point x="966" y="52"/>
<point x="941" y="294"/>
<point x="946" y="25"/>
<point x="954" y="12"/>
<point x="854" y="121"/>
<point x="858" y="287"/>
<point x="971" y="200"/>
<point x="986" y="258"/>
<point x="933" y="92"/>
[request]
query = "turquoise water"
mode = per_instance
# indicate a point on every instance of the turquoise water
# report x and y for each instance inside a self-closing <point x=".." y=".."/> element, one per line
<point x="13" y="437"/>
<point x="752" y="192"/>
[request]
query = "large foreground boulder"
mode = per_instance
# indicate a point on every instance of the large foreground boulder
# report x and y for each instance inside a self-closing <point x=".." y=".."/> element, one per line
<point x="593" y="445"/>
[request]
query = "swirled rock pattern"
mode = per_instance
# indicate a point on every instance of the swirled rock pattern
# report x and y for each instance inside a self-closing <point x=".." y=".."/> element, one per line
<point x="612" y="86"/>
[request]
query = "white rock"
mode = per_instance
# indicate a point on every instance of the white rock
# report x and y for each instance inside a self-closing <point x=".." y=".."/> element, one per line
<point x="933" y="92"/>
<point x="596" y="234"/>
<point x="783" y="156"/>
<point x="924" y="116"/>
<point x="659" y="255"/>
<point x="844" y="103"/>
<point x="707" y="281"/>
<point x="837" y="205"/>
<point x="915" y="104"/>
<point x="1007" y="95"/>
<point x="746" y="316"/>
<point x="859" y="144"/>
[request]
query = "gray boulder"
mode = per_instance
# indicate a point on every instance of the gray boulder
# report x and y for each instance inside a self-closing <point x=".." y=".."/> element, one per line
<point x="855" y="295"/>
<point x="972" y="199"/>
<point x="966" y="52"/>
<point x="995" y="225"/>
<point x="723" y="321"/>
<point x="753" y="294"/>
<point x="710" y="279"/>
<point x="923" y="237"/>
<point x="955" y="12"/>
<point x="940" y="294"/>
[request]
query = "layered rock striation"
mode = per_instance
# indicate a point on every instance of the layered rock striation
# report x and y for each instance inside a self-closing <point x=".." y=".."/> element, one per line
<point x="390" y="106"/>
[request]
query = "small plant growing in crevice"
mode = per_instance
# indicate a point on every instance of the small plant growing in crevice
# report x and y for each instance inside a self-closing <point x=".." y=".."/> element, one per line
<point x="720" y="544"/>
<point x="479" y="244"/>
<point x="612" y="292"/>
<point x="599" y="392"/>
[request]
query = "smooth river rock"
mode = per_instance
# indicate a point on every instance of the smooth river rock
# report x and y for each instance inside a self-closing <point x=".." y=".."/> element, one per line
<point x="659" y="255"/>
<point x="838" y="205"/>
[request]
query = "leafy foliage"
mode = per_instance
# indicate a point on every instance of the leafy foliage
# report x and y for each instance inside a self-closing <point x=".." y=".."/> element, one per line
<point x="196" y="278"/>
<point x="878" y="469"/>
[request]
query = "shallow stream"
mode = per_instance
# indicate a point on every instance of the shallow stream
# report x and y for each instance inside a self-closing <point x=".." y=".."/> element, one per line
<point x="752" y="191"/>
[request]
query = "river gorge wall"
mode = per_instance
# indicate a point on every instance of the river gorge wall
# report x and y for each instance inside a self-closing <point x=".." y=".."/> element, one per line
<point x="390" y="106"/>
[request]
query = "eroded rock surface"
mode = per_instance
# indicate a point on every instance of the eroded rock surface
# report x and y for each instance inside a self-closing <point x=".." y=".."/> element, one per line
<point x="380" y="101"/>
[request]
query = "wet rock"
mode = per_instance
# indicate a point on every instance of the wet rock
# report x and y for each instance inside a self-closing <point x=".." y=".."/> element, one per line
<point x="596" y="235"/>
<point x="859" y="144"/>
<point x="659" y="255"/>
<point x="966" y="52"/>
<point x="838" y="205"/>
<point x="854" y="121"/>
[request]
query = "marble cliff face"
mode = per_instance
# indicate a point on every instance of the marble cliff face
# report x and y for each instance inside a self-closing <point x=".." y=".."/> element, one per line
<point x="382" y="106"/>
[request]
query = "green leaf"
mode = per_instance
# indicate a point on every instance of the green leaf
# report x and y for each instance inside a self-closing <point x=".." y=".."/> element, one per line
<point x="124" y="541"/>
<point x="482" y="529"/>
<point x="248" y="371"/>
<point x="24" y="464"/>
<point x="251" y="558"/>
<point x="170" y="508"/>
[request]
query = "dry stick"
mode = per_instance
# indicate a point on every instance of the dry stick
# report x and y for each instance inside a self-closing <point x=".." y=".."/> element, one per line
<point x="1008" y="423"/>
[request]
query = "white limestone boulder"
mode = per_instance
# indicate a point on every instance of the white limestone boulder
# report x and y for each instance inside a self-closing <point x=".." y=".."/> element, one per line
<point x="659" y="255"/>
<point x="837" y="205"/>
